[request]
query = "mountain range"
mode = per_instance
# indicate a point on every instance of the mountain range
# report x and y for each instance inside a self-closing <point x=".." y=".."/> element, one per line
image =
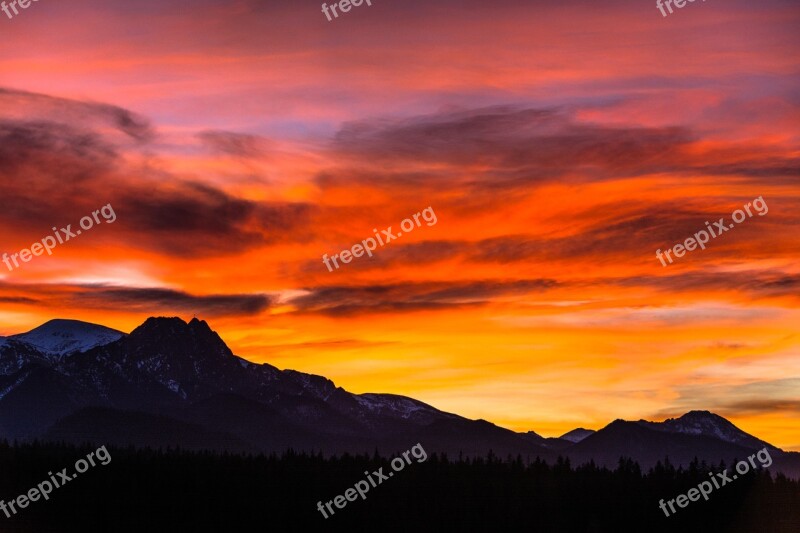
<point x="173" y="383"/>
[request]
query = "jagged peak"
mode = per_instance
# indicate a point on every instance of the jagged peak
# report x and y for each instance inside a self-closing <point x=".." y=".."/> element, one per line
<point x="174" y="329"/>
<point x="172" y="324"/>
<point x="161" y="321"/>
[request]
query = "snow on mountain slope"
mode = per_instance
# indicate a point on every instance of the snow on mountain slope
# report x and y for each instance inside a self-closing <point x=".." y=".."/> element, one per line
<point x="707" y="424"/>
<point x="576" y="435"/>
<point x="62" y="337"/>
<point x="402" y="407"/>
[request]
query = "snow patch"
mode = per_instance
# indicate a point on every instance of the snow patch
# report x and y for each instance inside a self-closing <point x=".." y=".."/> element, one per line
<point x="398" y="405"/>
<point x="63" y="337"/>
<point x="12" y="386"/>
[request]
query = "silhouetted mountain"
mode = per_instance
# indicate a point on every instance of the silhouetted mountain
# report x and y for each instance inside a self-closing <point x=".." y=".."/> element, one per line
<point x="577" y="434"/>
<point x="173" y="383"/>
<point x="534" y="437"/>
<point x="169" y="370"/>
<point x="647" y="446"/>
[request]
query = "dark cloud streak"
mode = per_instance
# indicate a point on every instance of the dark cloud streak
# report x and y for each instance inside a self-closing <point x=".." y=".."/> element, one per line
<point x="157" y="299"/>
<point x="405" y="297"/>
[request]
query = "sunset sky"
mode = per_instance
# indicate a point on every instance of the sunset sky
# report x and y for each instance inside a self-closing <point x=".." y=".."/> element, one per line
<point x="560" y="144"/>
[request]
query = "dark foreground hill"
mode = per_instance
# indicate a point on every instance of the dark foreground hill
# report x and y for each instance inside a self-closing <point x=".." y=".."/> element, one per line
<point x="141" y="490"/>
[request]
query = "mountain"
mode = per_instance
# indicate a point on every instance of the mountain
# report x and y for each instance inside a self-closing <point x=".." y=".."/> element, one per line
<point x="647" y="446"/>
<point x="173" y="383"/>
<point x="63" y="337"/>
<point x="170" y="370"/>
<point x="650" y="442"/>
<point x="707" y="424"/>
<point x="577" y="435"/>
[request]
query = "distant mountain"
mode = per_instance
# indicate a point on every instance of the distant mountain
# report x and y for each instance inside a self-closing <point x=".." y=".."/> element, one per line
<point x="707" y="424"/>
<point x="577" y="435"/>
<point x="649" y="442"/>
<point x="62" y="337"/>
<point x="534" y="437"/>
<point x="173" y="383"/>
<point x="631" y="439"/>
<point x="549" y="443"/>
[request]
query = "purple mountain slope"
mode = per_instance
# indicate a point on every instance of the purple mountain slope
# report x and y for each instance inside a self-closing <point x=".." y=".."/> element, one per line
<point x="577" y="434"/>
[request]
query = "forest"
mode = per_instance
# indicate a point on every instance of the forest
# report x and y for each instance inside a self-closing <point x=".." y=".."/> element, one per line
<point x="177" y="490"/>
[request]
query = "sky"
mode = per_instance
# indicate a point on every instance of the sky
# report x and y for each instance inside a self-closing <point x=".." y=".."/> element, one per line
<point x="557" y="146"/>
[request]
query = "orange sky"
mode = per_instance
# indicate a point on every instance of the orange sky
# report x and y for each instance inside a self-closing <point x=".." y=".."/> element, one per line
<point x="560" y="144"/>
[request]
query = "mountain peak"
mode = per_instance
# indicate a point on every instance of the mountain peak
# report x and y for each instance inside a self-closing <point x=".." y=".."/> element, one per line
<point x="577" y="434"/>
<point x="195" y="336"/>
<point x="199" y="325"/>
<point x="708" y="424"/>
<point x="700" y="418"/>
<point x="701" y="415"/>
<point x="61" y="337"/>
<point x="172" y="325"/>
<point x="158" y="322"/>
